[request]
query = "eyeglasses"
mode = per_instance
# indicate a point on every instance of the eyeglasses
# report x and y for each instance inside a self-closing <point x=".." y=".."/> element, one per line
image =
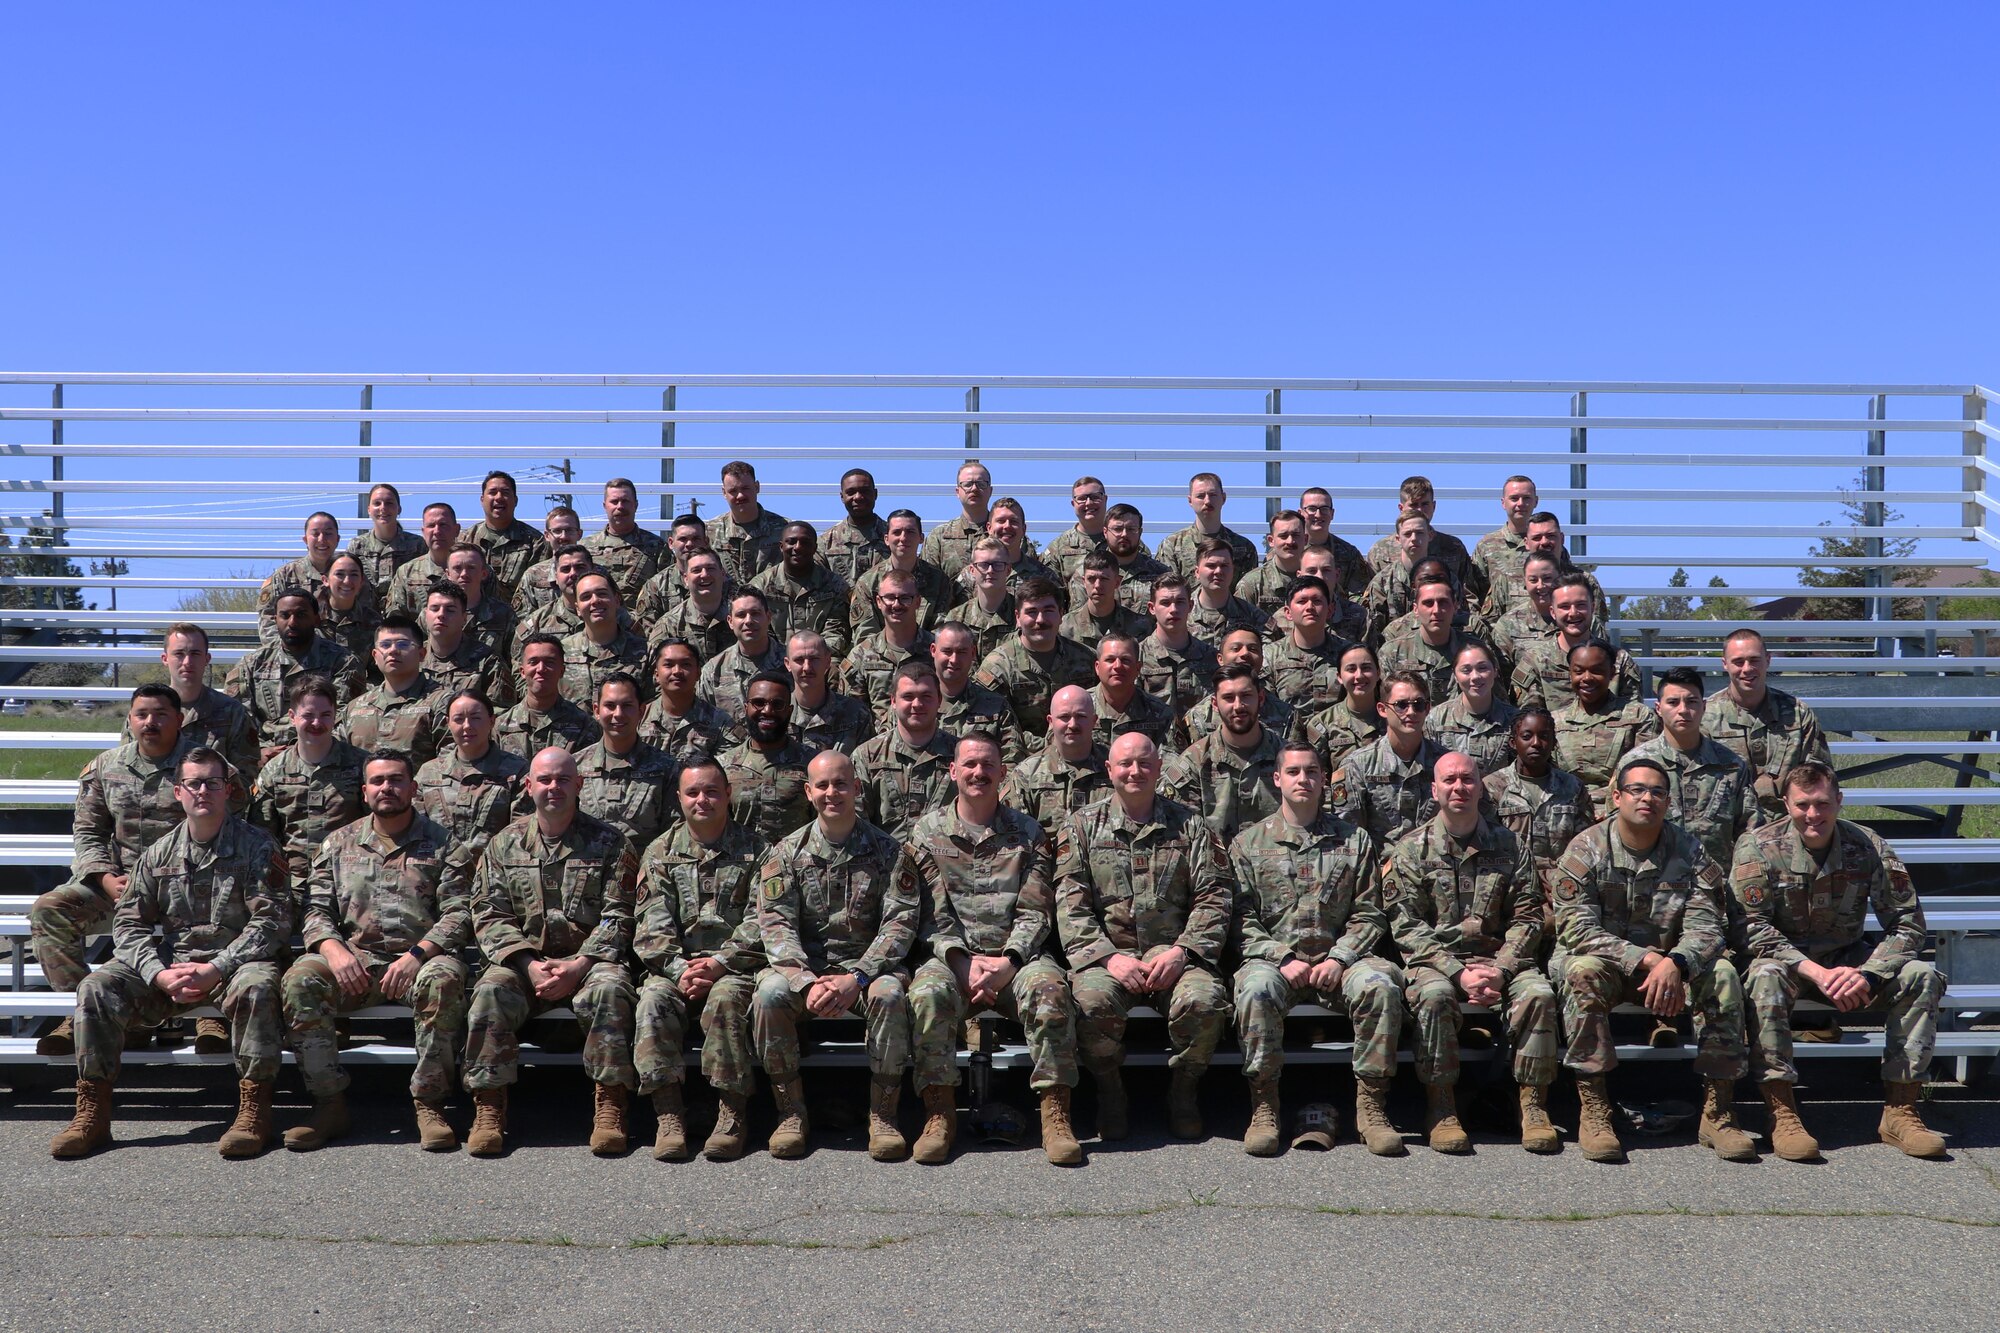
<point x="1409" y="706"/>
<point x="396" y="645"/>
<point x="204" y="784"/>
<point x="975" y="485"/>
<point x="895" y="598"/>
<point x="988" y="566"/>
<point x="1639" y="789"/>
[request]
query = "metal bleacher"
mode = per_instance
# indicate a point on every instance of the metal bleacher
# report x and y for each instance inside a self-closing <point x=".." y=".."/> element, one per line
<point x="164" y="486"/>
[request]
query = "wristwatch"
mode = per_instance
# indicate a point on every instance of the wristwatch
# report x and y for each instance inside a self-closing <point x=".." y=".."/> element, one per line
<point x="860" y="978"/>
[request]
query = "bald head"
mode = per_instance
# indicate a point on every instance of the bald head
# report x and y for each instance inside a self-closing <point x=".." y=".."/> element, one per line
<point x="1072" y="718"/>
<point x="1456" y="785"/>
<point x="553" y="785"/>
<point x="832" y="789"/>
<point x="1134" y="770"/>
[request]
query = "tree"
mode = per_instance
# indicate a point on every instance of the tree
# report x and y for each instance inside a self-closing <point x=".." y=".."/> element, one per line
<point x="221" y="599"/>
<point x="1854" y="511"/>
<point x="1724" y="608"/>
<point x="1669" y="607"/>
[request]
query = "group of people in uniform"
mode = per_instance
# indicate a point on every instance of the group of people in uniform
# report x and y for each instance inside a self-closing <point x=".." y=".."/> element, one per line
<point x="748" y="775"/>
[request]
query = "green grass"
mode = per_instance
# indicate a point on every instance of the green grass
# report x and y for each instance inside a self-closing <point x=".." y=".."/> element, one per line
<point x="1981" y="821"/>
<point x="30" y="765"/>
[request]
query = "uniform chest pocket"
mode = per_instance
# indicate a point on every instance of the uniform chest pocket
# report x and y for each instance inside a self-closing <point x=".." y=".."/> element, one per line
<point x="582" y="895"/>
<point x="864" y="901"/>
<point x="1668" y="903"/>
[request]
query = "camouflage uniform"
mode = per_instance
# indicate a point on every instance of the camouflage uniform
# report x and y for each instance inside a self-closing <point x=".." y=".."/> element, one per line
<point x="299" y="573"/>
<point x="1590" y="744"/>
<point x="900" y="783"/>
<point x="381" y="896"/>
<point x="841" y="722"/>
<point x="767" y="792"/>
<point x="1310" y="894"/>
<point x="1790" y="908"/>
<point x="936" y="595"/>
<point x="556" y="617"/>
<point x="298" y="803"/>
<point x="988" y="891"/>
<point x="1066" y="550"/>
<point x="227" y="904"/>
<point x="1027" y="566"/>
<point x="1541" y="675"/>
<point x="1520" y="626"/>
<point x="1212" y="624"/>
<point x="1142" y="713"/>
<point x="1086" y="630"/>
<point x="635" y="792"/>
<point x="1447" y="550"/>
<point x="1202" y="721"/>
<point x="1774" y="737"/>
<point x="1306" y="678"/>
<point x="1264" y="587"/>
<point x="1512" y="591"/>
<point x="1135" y="582"/>
<point x="1455" y="901"/>
<point x="526" y="730"/>
<point x="1411" y="652"/>
<point x="819" y="604"/>
<point x="709" y="635"/>
<point x="1484" y="738"/>
<point x="703" y="729"/>
<point x="989" y="628"/>
<point x="1612" y="905"/>
<point x="976" y="708"/>
<point x="1349" y="563"/>
<point x="537" y="588"/>
<point x="493" y="623"/>
<point x="1384" y="793"/>
<point x="1046" y="786"/>
<point x="222" y="724"/>
<point x="473" y="666"/>
<point x="949" y="545"/>
<point x="1499" y="555"/>
<point x="725" y="679"/>
<point x="630" y="560"/>
<point x="471" y="798"/>
<point x="124" y="804"/>
<point x="354" y="628"/>
<point x="410" y="584"/>
<point x="852" y="547"/>
<point x="1029" y="679"/>
<point x="1232" y="788"/>
<point x="870" y="669"/>
<point x="829" y="909"/>
<point x="1346" y="620"/>
<point x="380" y="560"/>
<point x="747" y="550"/>
<point x="698" y="900"/>
<point x="509" y="552"/>
<point x="1337" y="731"/>
<point x="260" y="680"/>
<point x="1139" y="889"/>
<point x="1713" y="793"/>
<point x="1180" y="678"/>
<point x="1543" y="815"/>
<point x="566" y="897"/>
<point x="1177" y="550"/>
<point x="661" y="594"/>
<point x="586" y="664"/>
<point x="410" y="720"/>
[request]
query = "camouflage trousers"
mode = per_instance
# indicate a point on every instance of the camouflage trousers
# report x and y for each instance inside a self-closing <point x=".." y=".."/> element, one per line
<point x="58" y="924"/>
<point x="1435" y="1016"/>
<point x="1197" y="1012"/>
<point x="1370" y="997"/>
<point x="502" y="1003"/>
<point x="1910" y="998"/>
<point x="777" y="1010"/>
<point x="728" y="1059"/>
<point x="115" y="998"/>
<point x="1590" y="987"/>
<point x="313" y="999"/>
<point x="1037" y="997"/>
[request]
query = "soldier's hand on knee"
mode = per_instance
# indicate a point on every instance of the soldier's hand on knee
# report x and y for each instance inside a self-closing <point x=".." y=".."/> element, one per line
<point x="1327" y="974"/>
<point x="1663" y="991"/>
<point x="1847" y="987"/>
<point x="1128" y="972"/>
<point x="113" y="884"/>
<point x="399" y="977"/>
<point x="1166" y="968"/>
<point x="348" y="974"/>
<point x="1296" y="973"/>
<point x="1480" y="982"/>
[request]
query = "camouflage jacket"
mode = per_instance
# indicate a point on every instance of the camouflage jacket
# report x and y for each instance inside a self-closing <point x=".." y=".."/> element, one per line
<point x="976" y="708"/>
<point x="1520" y="626"/>
<point x="259" y="682"/>
<point x="1614" y="903"/>
<point x="410" y="720"/>
<point x="871" y="667"/>
<point x="1027" y="566"/>
<point x="1511" y="592"/>
<point x="1499" y="555"/>
<point x="1177" y="550"/>
<point x="354" y="628"/>
<point x="1544" y="816"/>
<point x="474" y="666"/>
<point x="1309" y="894"/>
<point x="299" y="573"/>
<point x="846" y="908"/>
<point x="850" y="548"/>
<point x="1445" y="548"/>
<point x="1791" y="908"/>
<point x="508" y="554"/>
<point x="767" y="792"/>
<point x="709" y="635"/>
<point x="1142" y="713"/>
<point x="472" y="798"/>
<point x="698" y="900"/>
<point x="587" y="663"/>
<point x="937" y="594"/>
<point x="1046" y="786"/>
<point x="527" y="731"/>
<point x="1590" y="744"/>
<point x="726" y="676"/>
<point x="820" y="604"/>
<point x="988" y="628"/>
<point x="1264" y="587"/>
<point x="410" y="584"/>
<point x="1451" y="901"/>
<point x="1347" y="619"/>
<point x="1306" y="678"/>
<point x="1410" y="652"/>
<point x="380" y="560"/>
<point x="1337" y="731"/>
<point x="1351" y="565"/>
<point x="1773" y="737"/>
<point x="1134" y="888"/>
<point x="536" y="589"/>
<point x="661" y="594"/>
<point x="949" y="544"/>
<point x="1180" y="678"/>
<point x="565" y="897"/>
<point x="1029" y="679"/>
<point x="1212" y="624"/>
<point x="1232" y="788"/>
<point x="1713" y="793"/>
<point x="985" y="890"/>
<point x="899" y="782"/>
<point x="703" y="729"/>
<point x="1135" y="583"/>
<point x="299" y="803"/>
<point x="635" y="792"/>
<point x="1066" y="550"/>
<point x="1086" y="629"/>
<point x="225" y="904"/>
<point x="493" y="623"/>
<point x="747" y="550"/>
<point x="630" y="560"/>
<point x="381" y="896"/>
<point x="1202" y="721"/>
<point x="1484" y="738"/>
<point x="1384" y="793"/>
<point x="124" y="804"/>
<point x="1541" y="676"/>
<point x="841" y="722"/>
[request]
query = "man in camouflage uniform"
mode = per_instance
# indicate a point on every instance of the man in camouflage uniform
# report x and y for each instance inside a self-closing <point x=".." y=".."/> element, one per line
<point x="1769" y="728"/>
<point x="627" y="552"/>
<point x="511" y="546"/>
<point x="1545" y="538"/>
<point x="543" y="717"/>
<point x="1206" y="498"/>
<point x="1640" y="917"/>
<point x="552" y="910"/>
<point x="1419" y="499"/>
<point x="906" y="770"/>
<point x="560" y="527"/>
<point x="949" y="547"/>
<point x="605" y="645"/>
<point x="322" y="538"/>
<point x="1143" y="894"/>
<point x="747" y="536"/>
<point x="259" y="681"/>
<point x="454" y="657"/>
<point x="1352" y="568"/>
<point x="1099" y="612"/>
<point x="1466" y="909"/>
<point x="1124" y="538"/>
<point x="870" y="668"/>
<point x="1433" y="649"/>
<point x="1388" y="786"/>
<point x="701" y="618"/>
<point x="859" y="542"/>
<point x="1309" y="917"/>
<point x="1499" y="554"/>
<point x="1008" y="525"/>
<point x="964" y="704"/>
<point x="767" y="769"/>
<point x="1596" y="729"/>
<point x="1067" y="773"/>
<point x="386" y="546"/>
<point x="1392" y="592"/>
<point x="1229" y="774"/>
<point x="988" y="607"/>
<point x="1714" y="791"/>
<point x="1264" y="587"/>
<point x="1530" y="617"/>
<point x="678" y="721"/>
<point x="311" y="787"/>
<point x="208" y="716"/>
<point x="387" y="910"/>
<point x="935" y="592"/>
<point x="727" y="675"/>
<point x="803" y="594"/>
<point x="1541" y="670"/>
<point x="1174" y="666"/>
<point x="1035" y="661"/>
<point x="1240" y="647"/>
<point x="489" y="617"/>
<point x="1304" y="666"/>
<point x="1542" y="806"/>
<point x="699" y="950"/>
<point x="987" y="877"/>
<point x="838" y="914"/>
<point x="470" y="788"/>
<point x="666" y="589"/>
<point x="1804" y="888"/>
<point x="1120" y="704"/>
<point x="823" y="717"/>
<point x="202" y="921"/>
<point x="626" y="782"/>
<point x="558" y="615"/>
<point x="402" y="713"/>
<point x="410" y="581"/>
<point x="1217" y="609"/>
<point x="1066" y="552"/>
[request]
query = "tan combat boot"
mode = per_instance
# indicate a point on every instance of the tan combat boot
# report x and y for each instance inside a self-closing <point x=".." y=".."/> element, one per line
<point x="91" y="1129"/>
<point x="1594" y="1131"/>
<point x="58" y="1041"/>
<point x="1788" y="1133"/>
<point x="1371" y="1118"/>
<point x="328" y="1122"/>
<point x="1184" y="1105"/>
<point x="211" y="1036"/>
<point x="788" y="1139"/>
<point x="1538" y="1134"/>
<point x="670" y="1141"/>
<point x="885" y="1141"/>
<point x="1261" y="1139"/>
<point x="489" y="1123"/>
<point x="434" y="1132"/>
<point x="1441" y="1126"/>
<point x="940" y="1131"/>
<point x="1719" y="1129"/>
<point x="731" y="1134"/>
<point x="1902" y="1127"/>
<point x="1058" y="1137"/>
<point x="1112" y="1108"/>
<point x="607" y="1119"/>
<point x="250" y="1133"/>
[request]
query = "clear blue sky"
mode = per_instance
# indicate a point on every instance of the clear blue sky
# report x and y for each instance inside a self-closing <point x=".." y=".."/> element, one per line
<point x="1719" y="192"/>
